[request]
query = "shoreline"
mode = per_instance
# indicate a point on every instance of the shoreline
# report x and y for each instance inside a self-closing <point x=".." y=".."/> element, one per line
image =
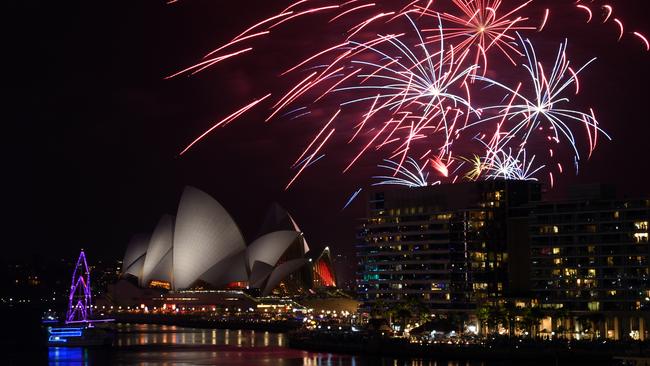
<point x="369" y="346"/>
<point x="538" y="353"/>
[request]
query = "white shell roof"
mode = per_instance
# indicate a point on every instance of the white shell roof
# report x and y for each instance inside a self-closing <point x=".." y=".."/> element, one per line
<point x="135" y="251"/>
<point x="204" y="235"/>
<point x="159" y="246"/>
<point x="270" y="247"/>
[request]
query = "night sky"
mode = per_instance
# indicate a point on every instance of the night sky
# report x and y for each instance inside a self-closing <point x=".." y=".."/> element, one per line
<point x="91" y="130"/>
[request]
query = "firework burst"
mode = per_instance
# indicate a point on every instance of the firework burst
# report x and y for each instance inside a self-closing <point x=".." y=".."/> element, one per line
<point x="409" y="174"/>
<point x="482" y="25"/>
<point x="402" y="81"/>
<point x="547" y="112"/>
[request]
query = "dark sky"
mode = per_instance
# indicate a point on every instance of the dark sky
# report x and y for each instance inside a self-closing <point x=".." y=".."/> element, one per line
<point x="91" y="131"/>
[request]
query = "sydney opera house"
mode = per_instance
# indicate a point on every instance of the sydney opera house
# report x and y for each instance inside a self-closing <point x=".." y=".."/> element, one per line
<point x="203" y="248"/>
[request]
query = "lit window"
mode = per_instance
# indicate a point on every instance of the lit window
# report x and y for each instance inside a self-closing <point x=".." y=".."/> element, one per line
<point x="641" y="225"/>
<point x="641" y="237"/>
<point x="160" y="284"/>
<point x="591" y="272"/>
<point x="556" y="250"/>
<point x="549" y="230"/>
<point x="480" y="286"/>
<point x="570" y="272"/>
<point x="479" y="257"/>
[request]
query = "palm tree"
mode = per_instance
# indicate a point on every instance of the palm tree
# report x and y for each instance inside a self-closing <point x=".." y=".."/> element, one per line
<point x="585" y="325"/>
<point x="458" y="320"/>
<point x="378" y="309"/>
<point x="532" y="317"/>
<point x="597" y="319"/>
<point x="419" y="309"/>
<point x="402" y="313"/>
<point x="496" y="317"/>
<point x="511" y="311"/>
<point x="561" y="314"/>
<point x="483" y="314"/>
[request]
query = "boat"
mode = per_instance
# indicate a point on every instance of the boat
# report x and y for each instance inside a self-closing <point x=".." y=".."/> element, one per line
<point x="79" y="328"/>
<point x="83" y="335"/>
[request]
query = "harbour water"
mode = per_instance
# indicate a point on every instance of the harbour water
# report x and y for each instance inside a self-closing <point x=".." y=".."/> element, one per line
<point x="147" y="345"/>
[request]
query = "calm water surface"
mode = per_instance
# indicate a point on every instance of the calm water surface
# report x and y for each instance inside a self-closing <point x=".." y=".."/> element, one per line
<point x="147" y="345"/>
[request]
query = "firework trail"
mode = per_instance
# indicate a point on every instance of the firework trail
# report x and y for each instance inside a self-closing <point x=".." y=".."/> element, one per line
<point x="403" y="81"/>
<point x="483" y="26"/>
<point x="504" y="164"/>
<point x="605" y="12"/>
<point x="545" y="115"/>
<point x="415" y="93"/>
<point x="410" y="174"/>
<point x="352" y="198"/>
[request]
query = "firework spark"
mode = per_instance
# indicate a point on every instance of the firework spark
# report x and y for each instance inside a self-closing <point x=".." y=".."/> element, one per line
<point x="401" y="80"/>
<point x="409" y="174"/>
<point x="505" y="164"/>
<point x="548" y="112"/>
<point x="482" y="25"/>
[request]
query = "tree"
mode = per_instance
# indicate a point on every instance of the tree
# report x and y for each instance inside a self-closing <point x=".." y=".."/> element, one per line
<point x="458" y="320"/>
<point x="419" y="309"/>
<point x="402" y="313"/>
<point x="532" y="317"/>
<point x="378" y="310"/>
<point x="585" y="324"/>
<point x="597" y="320"/>
<point x="511" y="311"/>
<point x="561" y="314"/>
<point x="496" y="317"/>
<point x="483" y="314"/>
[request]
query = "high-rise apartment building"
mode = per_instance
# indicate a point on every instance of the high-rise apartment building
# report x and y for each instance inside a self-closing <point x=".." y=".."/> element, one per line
<point x="591" y="253"/>
<point x="450" y="246"/>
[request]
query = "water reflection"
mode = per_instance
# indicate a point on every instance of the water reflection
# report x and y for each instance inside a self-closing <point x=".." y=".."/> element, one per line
<point x="138" y="344"/>
<point x="140" y="335"/>
<point x="67" y="356"/>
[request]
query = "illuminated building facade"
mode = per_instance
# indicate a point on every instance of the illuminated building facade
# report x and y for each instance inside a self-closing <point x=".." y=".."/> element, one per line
<point x="450" y="246"/>
<point x="591" y="254"/>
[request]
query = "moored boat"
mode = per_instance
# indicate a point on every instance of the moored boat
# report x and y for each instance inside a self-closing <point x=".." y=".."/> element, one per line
<point x="80" y="335"/>
<point x="79" y="329"/>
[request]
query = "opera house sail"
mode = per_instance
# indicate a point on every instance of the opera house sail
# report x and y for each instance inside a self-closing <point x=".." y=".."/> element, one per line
<point x="158" y="262"/>
<point x="203" y="246"/>
<point x="204" y="235"/>
<point x="135" y="255"/>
